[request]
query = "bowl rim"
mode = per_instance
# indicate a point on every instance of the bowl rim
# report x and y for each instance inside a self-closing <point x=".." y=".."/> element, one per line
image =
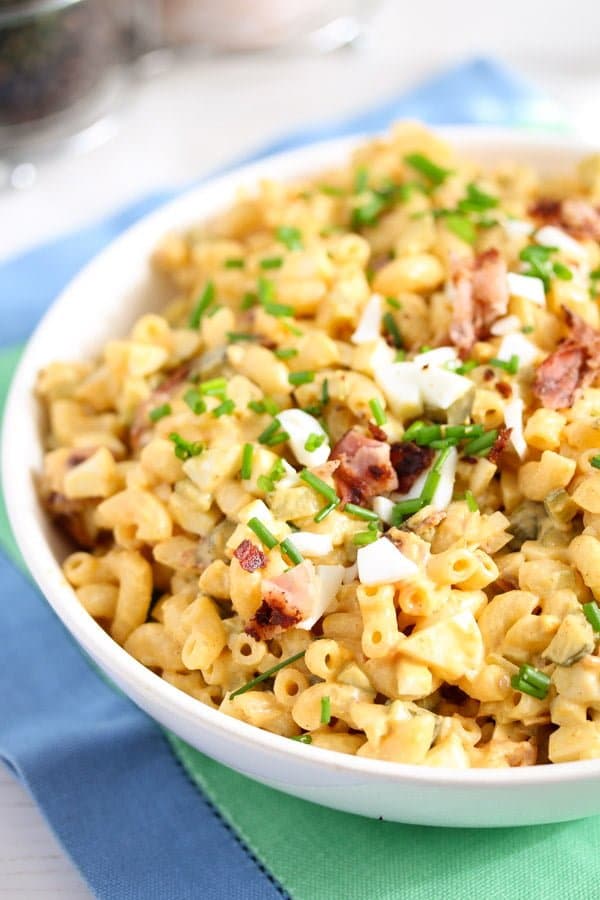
<point x="45" y="568"/>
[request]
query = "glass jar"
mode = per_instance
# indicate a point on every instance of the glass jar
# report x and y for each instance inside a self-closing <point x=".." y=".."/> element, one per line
<point x="59" y="68"/>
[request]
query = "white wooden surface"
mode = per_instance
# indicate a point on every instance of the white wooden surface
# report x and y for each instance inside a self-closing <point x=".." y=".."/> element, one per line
<point x="201" y="113"/>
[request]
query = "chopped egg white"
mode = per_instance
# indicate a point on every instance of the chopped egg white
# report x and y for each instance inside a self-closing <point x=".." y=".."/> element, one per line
<point x="300" y="425"/>
<point x="527" y="287"/>
<point x="513" y="419"/>
<point x="551" y="236"/>
<point x="441" y="388"/>
<point x="439" y="356"/>
<point x="329" y="580"/>
<point x="400" y="385"/>
<point x="517" y="227"/>
<point x="517" y="345"/>
<point x="290" y="479"/>
<point x="310" y="544"/>
<point x="369" y="325"/>
<point x="382" y="563"/>
<point x="383" y="506"/>
<point x="507" y="325"/>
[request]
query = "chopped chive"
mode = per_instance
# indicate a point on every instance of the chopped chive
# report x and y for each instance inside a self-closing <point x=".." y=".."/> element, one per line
<point x="433" y="478"/>
<point x="297" y="378"/>
<point x="320" y="486"/>
<point x="291" y="552"/>
<point x="265" y="484"/>
<point x="325" y="510"/>
<point x="563" y="272"/>
<point x="213" y="387"/>
<point x="249" y="300"/>
<point x="236" y="337"/>
<point x="362" y="538"/>
<point x="511" y="366"/>
<point x="159" y="412"/>
<point x="331" y="191"/>
<point x="461" y="227"/>
<point x="204" y="301"/>
<point x="471" y="501"/>
<point x="271" y="262"/>
<point x="262" y="532"/>
<point x="527" y="329"/>
<point x="442" y="443"/>
<point x="266" y="290"/>
<point x="361" y="513"/>
<point x="193" y="399"/>
<point x="412" y="430"/>
<point x="395" y="304"/>
<point x="426" y="167"/>
<point x="390" y="326"/>
<point x="595" y="461"/>
<point x="290" y="236"/>
<point x="270" y="406"/>
<point x="185" y="449"/>
<point x="246" y="470"/>
<point x="234" y="263"/>
<point x="481" y="446"/>
<point x="293" y="329"/>
<point x="313" y="442"/>
<point x="400" y="356"/>
<point x="477" y="200"/>
<point x="405" y="508"/>
<point x="285" y="352"/>
<point x="302" y="738"/>
<point x="269" y="431"/>
<point x="325" y="710"/>
<point x="279" y="438"/>
<point x="224" y="409"/>
<point x="463" y="431"/>
<point x="426" y="434"/>
<point x="264" y="675"/>
<point x="369" y="211"/>
<point x="279" y="310"/>
<point x="256" y="406"/>
<point x="325" y="392"/>
<point x="214" y="310"/>
<point x="378" y="411"/>
<point x="530" y="680"/>
<point x="592" y="613"/>
<point x="361" y="180"/>
<point x="466" y="367"/>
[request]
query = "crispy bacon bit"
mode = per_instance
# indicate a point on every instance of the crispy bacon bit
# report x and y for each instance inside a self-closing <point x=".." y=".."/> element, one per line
<point x="75" y="517"/>
<point x="499" y="444"/>
<point x="576" y="216"/>
<point x="365" y="469"/>
<point x="287" y="599"/>
<point x="249" y="556"/>
<point x="480" y="297"/>
<point x="559" y="376"/>
<point x="504" y="389"/>
<point x="409" y="461"/>
<point x="139" y="430"/>
<point x="376" y="432"/>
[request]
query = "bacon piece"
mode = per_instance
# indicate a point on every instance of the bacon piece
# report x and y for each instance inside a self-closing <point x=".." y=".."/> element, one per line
<point x="480" y="297"/>
<point x="376" y="432"/>
<point x="365" y="468"/>
<point x="286" y="600"/>
<point x="249" y="556"/>
<point x="499" y="444"/>
<point x="559" y="376"/>
<point x="139" y="431"/>
<point x="576" y="216"/>
<point x="409" y="461"/>
<point x="75" y="517"/>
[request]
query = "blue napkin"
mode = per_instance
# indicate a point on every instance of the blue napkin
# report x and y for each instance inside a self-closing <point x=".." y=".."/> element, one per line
<point x="99" y="768"/>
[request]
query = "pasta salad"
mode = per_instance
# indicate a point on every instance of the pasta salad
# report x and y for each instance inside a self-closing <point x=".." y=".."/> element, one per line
<point x="346" y="487"/>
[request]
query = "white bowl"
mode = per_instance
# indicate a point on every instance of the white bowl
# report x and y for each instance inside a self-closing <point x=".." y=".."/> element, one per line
<point x="103" y="301"/>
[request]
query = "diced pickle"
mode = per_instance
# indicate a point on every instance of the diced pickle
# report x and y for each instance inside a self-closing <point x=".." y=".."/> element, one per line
<point x="573" y="640"/>
<point x="561" y="507"/>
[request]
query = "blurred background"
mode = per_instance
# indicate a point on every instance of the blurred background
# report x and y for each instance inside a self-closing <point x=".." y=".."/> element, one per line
<point x="102" y="101"/>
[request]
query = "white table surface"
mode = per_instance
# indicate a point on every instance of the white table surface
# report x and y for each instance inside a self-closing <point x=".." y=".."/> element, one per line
<point x="201" y="113"/>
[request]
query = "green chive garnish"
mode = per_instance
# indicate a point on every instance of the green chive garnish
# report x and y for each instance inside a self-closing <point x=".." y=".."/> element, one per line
<point x="378" y="411"/>
<point x="271" y="262"/>
<point x="285" y="352"/>
<point x="563" y="272"/>
<point x="246" y="470"/>
<point x="511" y="366"/>
<point x="433" y="479"/>
<point x="204" y="301"/>
<point x="530" y="680"/>
<point x="185" y="449"/>
<point x="234" y="263"/>
<point x="361" y="513"/>
<point x="362" y="538"/>
<point x="262" y="532"/>
<point x="482" y="445"/>
<point x="291" y="552"/>
<point x="466" y="367"/>
<point x="461" y="227"/>
<point x="279" y="437"/>
<point x="269" y="431"/>
<point x="405" y="508"/>
<point x="325" y="510"/>
<point x="159" y="412"/>
<point x="213" y="387"/>
<point x="313" y="442"/>
<point x="266" y="290"/>
<point x="477" y="200"/>
<point x="395" y="304"/>
<point x="279" y="310"/>
<point x="391" y="328"/>
<point x="249" y="300"/>
<point x="264" y="675"/>
<point x="412" y="430"/>
<point x="302" y="738"/>
<point x="471" y="501"/>
<point x="325" y="710"/>
<point x="297" y="378"/>
<point x="435" y="174"/>
<point x="592" y="613"/>
<point x="236" y="337"/>
<point x="290" y="236"/>
<point x="320" y="486"/>
<point x="595" y="461"/>
<point x="224" y="409"/>
<point x="193" y="399"/>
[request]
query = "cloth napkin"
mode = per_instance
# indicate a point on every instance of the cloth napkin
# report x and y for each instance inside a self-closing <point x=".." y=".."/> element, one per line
<point x="142" y="814"/>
